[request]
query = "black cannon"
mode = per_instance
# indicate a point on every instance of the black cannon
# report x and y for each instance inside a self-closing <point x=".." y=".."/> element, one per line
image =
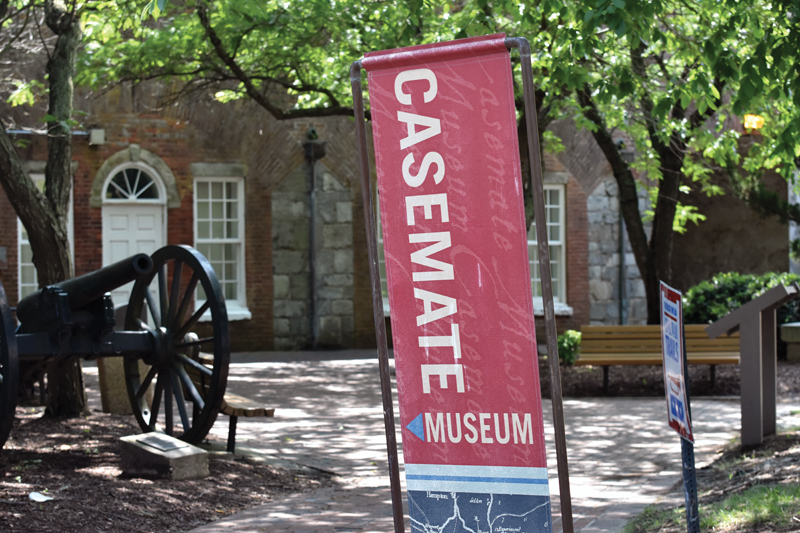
<point x="172" y="291"/>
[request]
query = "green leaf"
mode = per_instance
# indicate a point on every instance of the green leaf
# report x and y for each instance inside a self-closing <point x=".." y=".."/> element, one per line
<point x="621" y="28"/>
<point x="619" y="3"/>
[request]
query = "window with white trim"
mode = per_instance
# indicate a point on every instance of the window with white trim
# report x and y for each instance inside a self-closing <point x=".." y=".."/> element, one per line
<point x="219" y="236"/>
<point x="28" y="279"/>
<point x="554" y="208"/>
<point x="381" y="254"/>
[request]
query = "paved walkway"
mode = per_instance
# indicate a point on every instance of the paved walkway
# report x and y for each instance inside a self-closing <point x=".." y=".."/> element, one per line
<point x="328" y="415"/>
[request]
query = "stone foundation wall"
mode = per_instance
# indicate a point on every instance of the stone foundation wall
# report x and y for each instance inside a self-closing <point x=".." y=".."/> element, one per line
<point x="324" y="319"/>
<point x="604" y="261"/>
<point x="334" y="263"/>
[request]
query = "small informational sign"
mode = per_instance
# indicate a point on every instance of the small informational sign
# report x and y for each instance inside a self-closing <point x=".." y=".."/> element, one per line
<point x="672" y="348"/>
<point x="457" y="267"/>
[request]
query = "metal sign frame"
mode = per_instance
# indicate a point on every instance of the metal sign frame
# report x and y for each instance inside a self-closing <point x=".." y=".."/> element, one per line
<point x="534" y="153"/>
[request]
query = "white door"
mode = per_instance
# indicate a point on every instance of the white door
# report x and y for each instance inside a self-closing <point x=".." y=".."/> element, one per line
<point x="130" y="229"/>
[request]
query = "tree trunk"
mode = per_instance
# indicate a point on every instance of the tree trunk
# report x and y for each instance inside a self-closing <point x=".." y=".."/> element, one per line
<point x="628" y="198"/>
<point x="65" y="395"/>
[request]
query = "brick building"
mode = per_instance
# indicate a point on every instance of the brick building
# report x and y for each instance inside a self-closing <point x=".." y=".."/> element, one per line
<point x="233" y="182"/>
<point x="732" y="238"/>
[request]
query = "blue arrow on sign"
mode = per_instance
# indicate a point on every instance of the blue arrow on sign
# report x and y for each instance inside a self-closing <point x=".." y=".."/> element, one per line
<point x="417" y="428"/>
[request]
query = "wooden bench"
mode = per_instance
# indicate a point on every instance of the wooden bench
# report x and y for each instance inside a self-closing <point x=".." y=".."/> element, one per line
<point x="641" y="345"/>
<point x="233" y="405"/>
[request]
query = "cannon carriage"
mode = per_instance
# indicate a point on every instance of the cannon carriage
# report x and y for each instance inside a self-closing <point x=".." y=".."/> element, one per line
<point x="173" y="289"/>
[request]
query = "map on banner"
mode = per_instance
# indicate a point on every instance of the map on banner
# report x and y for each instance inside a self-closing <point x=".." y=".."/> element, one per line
<point x="672" y="348"/>
<point x="459" y="286"/>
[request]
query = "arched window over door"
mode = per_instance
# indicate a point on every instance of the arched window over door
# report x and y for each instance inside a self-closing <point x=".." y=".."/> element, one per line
<point x="133" y="183"/>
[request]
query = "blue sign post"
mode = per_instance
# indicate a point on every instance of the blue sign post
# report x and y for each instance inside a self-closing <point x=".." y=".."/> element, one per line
<point x="679" y="412"/>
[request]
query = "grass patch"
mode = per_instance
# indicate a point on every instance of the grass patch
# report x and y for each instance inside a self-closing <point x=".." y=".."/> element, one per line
<point x="762" y="507"/>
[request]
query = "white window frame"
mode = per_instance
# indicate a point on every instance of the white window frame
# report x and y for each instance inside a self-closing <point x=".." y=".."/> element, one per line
<point x="381" y="253"/>
<point x="237" y="308"/>
<point x="560" y="270"/>
<point x="38" y="179"/>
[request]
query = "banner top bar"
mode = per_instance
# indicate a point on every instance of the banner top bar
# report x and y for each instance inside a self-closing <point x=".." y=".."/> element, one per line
<point x="426" y="53"/>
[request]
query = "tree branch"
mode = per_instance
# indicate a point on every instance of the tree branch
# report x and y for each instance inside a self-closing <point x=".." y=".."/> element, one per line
<point x="250" y="88"/>
<point x="629" y="199"/>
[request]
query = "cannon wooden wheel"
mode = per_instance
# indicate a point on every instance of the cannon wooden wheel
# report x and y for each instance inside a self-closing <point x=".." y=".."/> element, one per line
<point x="9" y="368"/>
<point x="188" y="389"/>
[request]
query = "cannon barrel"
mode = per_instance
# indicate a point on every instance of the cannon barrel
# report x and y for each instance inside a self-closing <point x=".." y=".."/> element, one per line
<point x="87" y="288"/>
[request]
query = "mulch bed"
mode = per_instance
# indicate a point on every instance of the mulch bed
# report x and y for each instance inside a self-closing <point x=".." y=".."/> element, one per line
<point x="633" y="380"/>
<point x="76" y="461"/>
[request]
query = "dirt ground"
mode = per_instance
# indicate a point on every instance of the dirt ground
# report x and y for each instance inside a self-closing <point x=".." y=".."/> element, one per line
<point x="587" y="381"/>
<point x="77" y="463"/>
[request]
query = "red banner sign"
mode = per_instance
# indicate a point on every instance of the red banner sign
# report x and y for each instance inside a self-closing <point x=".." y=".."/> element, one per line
<point x="455" y="242"/>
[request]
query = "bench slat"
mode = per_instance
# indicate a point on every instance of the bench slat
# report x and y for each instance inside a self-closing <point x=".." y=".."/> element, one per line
<point x="641" y="345"/>
<point x="235" y="405"/>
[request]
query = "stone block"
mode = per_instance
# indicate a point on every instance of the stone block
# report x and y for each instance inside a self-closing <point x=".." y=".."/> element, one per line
<point x="344" y="212"/>
<point x="596" y="259"/>
<point x="300" y="287"/>
<point x="113" y="389"/>
<point x="638" y="311"/>
<point x="342" y="307"/>
<point x="609" y="247"/>
<point x="609" y="273"/>
<point x="597" y="203"/>
<point x="330" y="183"/>
<point x="330" y="331"/>
<point x="324" y="307"/>
<point x="280" y="287"/>
<point x="289" y="210"/>
<point x="332" y="293"/>
<point x="285" y="344"/>
<point x="299" y="327"/>
<point x="597" y="311"/>
<point x="289" y="262"/>
<point x="593" y="247"/>
<point x="348" y="327"/>
<point x="290" y="235"/>
<point x="594" y="218"/>
<point x="337" y="235"/>
<point x="281" y="327"/>
<point x="326" y="212"/>
<point x="637" y="289"/>
<point x="343" y="261"/>
<point x="594" y="272"/>
<point x="600" y="290"/>
<point x="289" y="308"/>
<point x="339" y="280"/>
<point x="325" y="264"/>
<point x="612" y="310"/>
<point x="156" y="455"/>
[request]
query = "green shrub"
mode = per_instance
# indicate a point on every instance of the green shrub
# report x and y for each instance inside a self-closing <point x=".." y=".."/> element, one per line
<point x="568" y="345"/>
<point x="712" y="299"/>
